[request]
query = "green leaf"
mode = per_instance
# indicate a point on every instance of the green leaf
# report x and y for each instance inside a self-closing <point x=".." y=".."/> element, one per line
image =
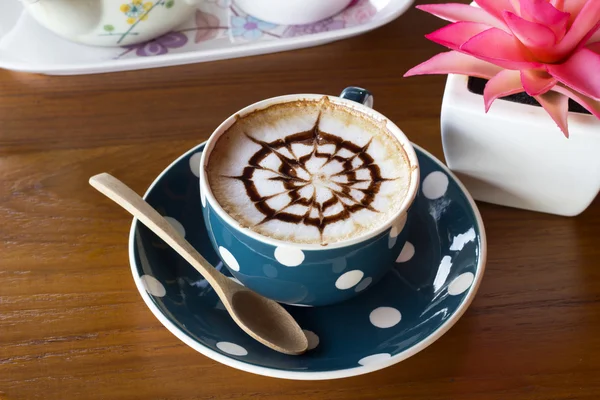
<point x="170" y="3"/>
<point x="109" y="28"/>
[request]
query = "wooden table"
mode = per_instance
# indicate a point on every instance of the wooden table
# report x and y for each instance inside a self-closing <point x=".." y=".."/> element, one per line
<point x="73" y="326"/>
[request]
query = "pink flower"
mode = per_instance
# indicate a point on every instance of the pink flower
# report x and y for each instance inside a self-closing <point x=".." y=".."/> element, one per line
<point x="549" y="49"/>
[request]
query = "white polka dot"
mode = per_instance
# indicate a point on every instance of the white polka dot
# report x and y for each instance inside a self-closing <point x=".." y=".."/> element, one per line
<point x="203" y="198"/>
<point x="232" y="348"/>
<point x="385" y="317"/>
<point x="435" y="185"/>
<point x="398" y="225"/>
<point x="289" y="256"/>
<point x="349" y="279"/>
<point x="176" y="225"/>
<point x="270" y="271"/>
<point x="229" y="259"/>
<point x="153" y="286"/>
<point x="461" y="283"/>
<point x="408" y="251"/>
<point x="235" y="280"/>
<point x="375" y="359"/>
<point x="195" y="163"/>
<point x="364" y="284"/>
<point x="313" y="339"/>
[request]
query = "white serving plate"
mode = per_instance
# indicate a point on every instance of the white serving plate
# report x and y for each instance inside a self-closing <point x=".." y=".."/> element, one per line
<point x="217" y="31"/>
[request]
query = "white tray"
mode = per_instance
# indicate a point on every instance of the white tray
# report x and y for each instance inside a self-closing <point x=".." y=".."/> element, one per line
<point x="217" y="31"/>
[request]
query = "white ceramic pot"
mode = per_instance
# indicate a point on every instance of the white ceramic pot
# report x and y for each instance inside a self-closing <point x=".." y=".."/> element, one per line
<point x="110" y="22"/>
<point x="516" y="156"/>
<point x="292" y="12"/>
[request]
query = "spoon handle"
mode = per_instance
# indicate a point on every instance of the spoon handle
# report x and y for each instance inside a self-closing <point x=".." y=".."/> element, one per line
<point x="124" y="196"/>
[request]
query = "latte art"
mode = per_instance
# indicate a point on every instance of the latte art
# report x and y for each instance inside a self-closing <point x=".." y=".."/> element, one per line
<point x="331" y="180"/>
<point x="334" y="179"/>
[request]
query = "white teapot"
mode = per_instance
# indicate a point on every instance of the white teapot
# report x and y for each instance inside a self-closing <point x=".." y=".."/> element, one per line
<point x="110" y="22"/>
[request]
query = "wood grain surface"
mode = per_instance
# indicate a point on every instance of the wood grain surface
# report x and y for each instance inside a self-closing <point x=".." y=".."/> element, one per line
<point x="73" y="326"/>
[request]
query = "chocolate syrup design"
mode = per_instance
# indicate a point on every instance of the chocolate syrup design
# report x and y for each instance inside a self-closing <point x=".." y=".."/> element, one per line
<point x="353" y="193"/>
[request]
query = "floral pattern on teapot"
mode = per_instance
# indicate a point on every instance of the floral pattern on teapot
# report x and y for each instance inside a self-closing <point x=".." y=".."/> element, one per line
<point x="112" y="22"/>
<point x="135" y="11"/>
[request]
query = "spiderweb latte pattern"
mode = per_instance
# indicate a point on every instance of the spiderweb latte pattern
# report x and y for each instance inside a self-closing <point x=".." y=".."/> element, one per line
<point x="325" y="179"/>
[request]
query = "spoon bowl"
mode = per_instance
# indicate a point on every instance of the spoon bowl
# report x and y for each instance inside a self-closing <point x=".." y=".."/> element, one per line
<point x="262" y="317"/>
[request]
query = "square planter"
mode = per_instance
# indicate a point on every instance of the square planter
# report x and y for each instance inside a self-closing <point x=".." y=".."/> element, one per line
<point x="516" y="156"/>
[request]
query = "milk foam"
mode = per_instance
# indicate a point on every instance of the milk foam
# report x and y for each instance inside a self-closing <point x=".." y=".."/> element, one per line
<point x="309" y="172"/>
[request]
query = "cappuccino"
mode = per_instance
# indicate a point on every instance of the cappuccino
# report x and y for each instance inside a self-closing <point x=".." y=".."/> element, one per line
<point x="309" y="171"/>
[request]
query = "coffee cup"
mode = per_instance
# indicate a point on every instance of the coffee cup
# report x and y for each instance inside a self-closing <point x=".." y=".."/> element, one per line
<point x="306" y="197"/>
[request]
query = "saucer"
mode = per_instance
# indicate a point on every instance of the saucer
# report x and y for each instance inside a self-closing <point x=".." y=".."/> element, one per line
<point x="217" y="30"/>
<point x="433" y="281"/>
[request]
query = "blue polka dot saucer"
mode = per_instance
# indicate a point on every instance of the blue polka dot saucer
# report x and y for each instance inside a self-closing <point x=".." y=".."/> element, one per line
<point x="433" y="281"/>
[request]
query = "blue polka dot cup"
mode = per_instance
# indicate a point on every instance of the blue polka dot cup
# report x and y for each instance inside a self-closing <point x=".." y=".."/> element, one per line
<point x="308" y="274"/>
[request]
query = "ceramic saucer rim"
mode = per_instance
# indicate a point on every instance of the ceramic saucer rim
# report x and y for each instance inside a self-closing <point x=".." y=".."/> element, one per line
<point x="315" y="375"/>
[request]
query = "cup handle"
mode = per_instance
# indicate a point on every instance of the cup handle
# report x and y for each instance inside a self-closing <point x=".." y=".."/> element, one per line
<point x="359" y="95"/>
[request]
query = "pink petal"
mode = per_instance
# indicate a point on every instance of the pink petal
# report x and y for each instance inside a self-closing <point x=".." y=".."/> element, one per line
<point x="542" y="12"/>
<point x="583" y="27"/>
<point x="589" y="104"/>
<point x="531" y="34"/>
<point x="559" y="4"/>
<point x="588" y="37"/>
<point x="454" y="35"/>
<point x="500" y="48"/>
<point x="453" y="62"/>
<point x="579" y="72"/>
<point x="595" y="36"/>
<point x="462" y="12"/>
<point x="495" y="7"/>
<point x="572" y="7"/>
<point x="516" y="5"/>
<point x="505" y="83"/>
<point x="594" y="47"/>
<point x="537" y="82"/>
<point x="557" y="105"/>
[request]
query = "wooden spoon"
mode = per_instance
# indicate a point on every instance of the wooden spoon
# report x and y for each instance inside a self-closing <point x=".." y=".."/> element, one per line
<point x="261" y="318"/>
